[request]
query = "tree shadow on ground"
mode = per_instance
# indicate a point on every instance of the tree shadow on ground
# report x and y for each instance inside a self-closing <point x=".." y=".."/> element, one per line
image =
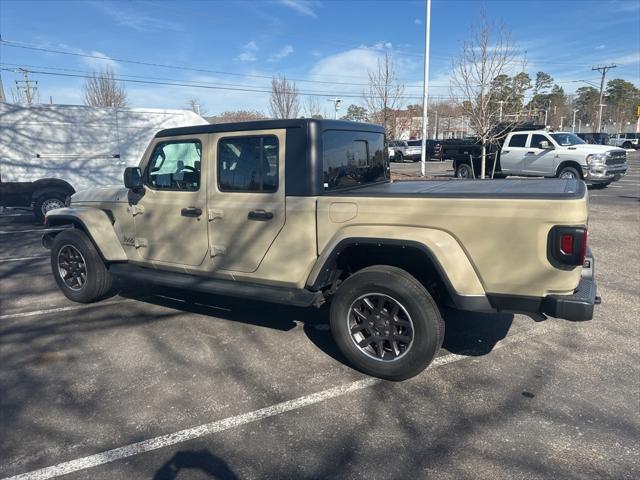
<point x="202" y="461"/>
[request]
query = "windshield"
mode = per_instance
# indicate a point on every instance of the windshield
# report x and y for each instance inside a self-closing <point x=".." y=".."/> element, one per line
<point x="567" y="139"/>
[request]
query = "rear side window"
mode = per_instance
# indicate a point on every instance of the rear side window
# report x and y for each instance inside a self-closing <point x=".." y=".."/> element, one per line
<point x="175" y="166"/>
<point x="352" y="158"/>
<point x="248" y="164"/>
<point x="518" y="140"/>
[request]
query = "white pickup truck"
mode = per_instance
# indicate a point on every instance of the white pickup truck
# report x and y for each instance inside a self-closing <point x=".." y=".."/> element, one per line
<point x="540" y="153"/>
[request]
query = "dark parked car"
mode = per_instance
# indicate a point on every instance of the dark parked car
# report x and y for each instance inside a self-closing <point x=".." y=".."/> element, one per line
<point x="595" y="138"/>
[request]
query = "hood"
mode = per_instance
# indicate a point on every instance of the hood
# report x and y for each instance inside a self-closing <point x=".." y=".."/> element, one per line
<point x="591" y="148"/>
<point x="101" y="194"/>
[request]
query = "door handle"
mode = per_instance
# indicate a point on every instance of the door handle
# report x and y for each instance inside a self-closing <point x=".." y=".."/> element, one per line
<point x="261" y="215"/>
<point x="505" y="151"/>
<point x="191" y="212"/>
<point x="531" y="153"/>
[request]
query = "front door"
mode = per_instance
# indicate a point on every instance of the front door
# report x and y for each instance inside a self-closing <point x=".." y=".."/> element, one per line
<point x="538" y="161"/>
<point x="246" y="202"/>
<point x="170" y="217"/>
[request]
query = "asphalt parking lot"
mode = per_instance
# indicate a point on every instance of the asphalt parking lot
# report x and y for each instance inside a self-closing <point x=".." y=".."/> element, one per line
<point x="161" y="384"/>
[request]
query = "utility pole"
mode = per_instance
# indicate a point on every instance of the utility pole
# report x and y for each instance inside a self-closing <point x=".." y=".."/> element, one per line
<point x="2" y="97"/>
<point x="603" y="70"/>
<point x="501" y="102"/>
<point x="573" y="124"/>
<point x="26" y="89"/>
<point x="561" y="122"/>
<point x="336" y="106"/>
<point x="425" y="90"/>
<point x="579" y="125"/>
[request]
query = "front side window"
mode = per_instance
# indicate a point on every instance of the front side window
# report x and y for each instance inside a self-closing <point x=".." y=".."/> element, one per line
<point x="536" y="139"/>
<point x="175" y="166"/>
<point x="351" y="158"/>
<point x="518" y="140"/>
<point x="248" y="164"/>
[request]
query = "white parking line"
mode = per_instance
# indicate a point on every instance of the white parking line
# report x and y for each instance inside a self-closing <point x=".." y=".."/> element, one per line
<point x="62" y="309"/>
<point x="19" y="259"/>
<point x="232" y="422"/>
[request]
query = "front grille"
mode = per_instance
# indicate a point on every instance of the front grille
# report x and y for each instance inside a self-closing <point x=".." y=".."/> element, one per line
<point x="616" y="158"/>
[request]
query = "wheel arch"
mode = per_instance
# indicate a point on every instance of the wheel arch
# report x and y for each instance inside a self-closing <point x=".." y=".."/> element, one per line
<point x="45" y="185"/>
<point x="569" y="163"/>
<point x="95" y="223"/>
<point x="416" y="257"/>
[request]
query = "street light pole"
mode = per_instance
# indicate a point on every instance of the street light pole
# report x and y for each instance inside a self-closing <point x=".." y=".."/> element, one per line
<point x="501" y="102"/>
<point x="425" y="90"/>
<point x="336" y="106"/>
<point x="561" y="121"/>
<point x="573" y="124"/>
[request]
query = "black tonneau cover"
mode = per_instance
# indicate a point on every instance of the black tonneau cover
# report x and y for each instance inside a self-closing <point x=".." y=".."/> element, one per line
<point x="534" y="189"/>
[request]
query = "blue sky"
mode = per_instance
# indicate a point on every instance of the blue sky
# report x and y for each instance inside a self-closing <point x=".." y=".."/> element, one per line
<point x="327" y="45"/>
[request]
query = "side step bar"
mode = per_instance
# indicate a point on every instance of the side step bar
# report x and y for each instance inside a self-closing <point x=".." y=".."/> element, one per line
<point x="287" y="296"/>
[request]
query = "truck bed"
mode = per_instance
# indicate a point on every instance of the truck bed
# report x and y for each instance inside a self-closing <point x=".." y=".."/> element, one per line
<point x="519" y="189"/>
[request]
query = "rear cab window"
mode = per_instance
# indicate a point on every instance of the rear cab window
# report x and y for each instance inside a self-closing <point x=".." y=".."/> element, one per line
<point x="519" y="140"/>
<point x="353" y="158"/>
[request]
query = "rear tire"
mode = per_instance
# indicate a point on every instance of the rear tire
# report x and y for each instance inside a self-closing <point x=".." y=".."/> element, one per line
<point x="396" y="337"/>
<point x="78" y="268"/>
<point x="48" y="201"/>
<point x="464" y="171"/>
<point x="626" y="145"/>
<point x="399" y="158"/>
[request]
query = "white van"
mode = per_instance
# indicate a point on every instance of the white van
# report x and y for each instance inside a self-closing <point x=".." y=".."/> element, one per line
<point x="48" y="152"/>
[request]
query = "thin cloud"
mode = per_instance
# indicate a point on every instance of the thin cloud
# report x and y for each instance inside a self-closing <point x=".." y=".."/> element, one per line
<point x="282" y="53"/>
<point x="139" y="22"/>
<point x="305" y="7"/>
<point x="248" y="53"/>
<point x="417" y="21"/>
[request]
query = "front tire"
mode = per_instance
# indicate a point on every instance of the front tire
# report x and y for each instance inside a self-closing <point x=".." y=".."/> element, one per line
<point x="47" y="201"/>
<point x="386" y="323"/>
<point x="569" y="173"/>
<point x="399" y="158"/>
<point x="78" y="268"/>
<point x="626" y="145"/>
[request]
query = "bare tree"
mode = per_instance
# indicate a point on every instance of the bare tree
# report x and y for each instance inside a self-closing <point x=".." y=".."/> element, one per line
<point x="384" y="93"/>
<point x="284" y="101"/>
<point x="488" y="54"/>
<point x="312" y="108"/>
<point x="196" y="106"/>
<point x="237" y="116"/>
<point x="102" y="90"/>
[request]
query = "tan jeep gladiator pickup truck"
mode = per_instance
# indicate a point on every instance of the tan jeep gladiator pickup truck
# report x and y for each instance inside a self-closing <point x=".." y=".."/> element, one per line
<point x="302" y="212"/>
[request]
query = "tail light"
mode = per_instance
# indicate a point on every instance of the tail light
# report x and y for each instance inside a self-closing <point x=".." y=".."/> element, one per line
<point x="567" y="246"/>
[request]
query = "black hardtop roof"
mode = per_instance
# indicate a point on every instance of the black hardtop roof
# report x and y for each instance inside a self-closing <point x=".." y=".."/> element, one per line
<point x="270" y="124"/>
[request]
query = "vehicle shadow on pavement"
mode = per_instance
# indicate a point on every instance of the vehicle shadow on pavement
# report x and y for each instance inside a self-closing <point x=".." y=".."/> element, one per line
<point x="196" y="461"/>
<point x="466" y="333"/>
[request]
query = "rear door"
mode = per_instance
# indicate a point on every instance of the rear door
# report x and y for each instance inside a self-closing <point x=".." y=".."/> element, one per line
<point x="246" y="200"/>
<point x="513" y="154"/>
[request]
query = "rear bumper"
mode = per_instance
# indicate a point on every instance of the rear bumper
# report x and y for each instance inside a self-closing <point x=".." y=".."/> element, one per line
<point x="576" y="307"/>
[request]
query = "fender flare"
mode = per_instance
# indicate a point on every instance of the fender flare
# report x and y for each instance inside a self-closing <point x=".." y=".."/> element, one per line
<point x="95" y="223"/>
<point x="462" y="282"/>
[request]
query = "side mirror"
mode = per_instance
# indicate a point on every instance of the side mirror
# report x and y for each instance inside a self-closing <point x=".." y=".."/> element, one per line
<point x="545" y="145"/>
<point x="133" y="178"/>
